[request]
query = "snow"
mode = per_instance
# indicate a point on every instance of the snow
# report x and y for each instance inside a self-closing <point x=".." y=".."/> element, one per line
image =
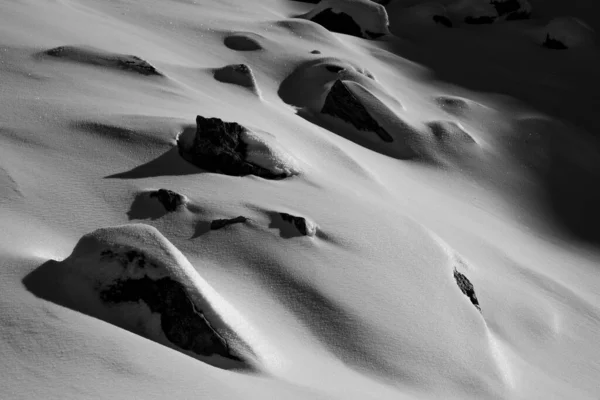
<point x="502" y="189"/>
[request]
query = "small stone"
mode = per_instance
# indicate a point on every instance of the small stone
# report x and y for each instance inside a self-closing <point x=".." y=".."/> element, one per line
<point x="305" y="227"/>
<point x="169" y="199"/>
<point x="467" y="288"/>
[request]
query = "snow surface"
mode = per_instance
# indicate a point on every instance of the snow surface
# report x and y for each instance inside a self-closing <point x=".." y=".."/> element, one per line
<point x="506" y="193"/>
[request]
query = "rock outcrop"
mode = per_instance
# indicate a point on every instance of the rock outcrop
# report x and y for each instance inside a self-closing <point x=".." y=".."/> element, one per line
<point x="237" y="74"/>
<point x="170" y="200"/>
<point x="305" y="227"/>
<point x="227" y="147"/>
<point x="361" y="18"/>
<point x="467" y="288"/>
<point x="566" y="33"/>
<point x="221" y="223"/>
<point x="97" y="57"/>
<point x="341" y="103"/>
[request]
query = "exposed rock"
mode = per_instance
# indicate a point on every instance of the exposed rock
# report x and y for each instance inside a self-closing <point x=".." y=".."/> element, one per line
<point x="92" y="56"/>
<point x="341" y="103"/>
<point x="169" y="199"/>
<point x="553" y="43"/>
<point x="361" y="18"/>
<point x="182" y="324"/>
<point x="221" y="223"/>
<point x="337" y="22"/>
<point x="512" y="9"/>
<point x="443" y="20"/>
<point x="467" y="288"/>
<point x="305" y="227"/>
<point x="315" y="52"/>
<point x="219" y="146"/>
<point x="237" y="74"/>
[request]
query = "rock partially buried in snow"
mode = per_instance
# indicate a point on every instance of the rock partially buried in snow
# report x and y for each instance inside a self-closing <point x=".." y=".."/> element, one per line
<point x="170" y="200"/>
<point x="512" y="9"/>
<point x="237" y="74"/>
<point x="361" y="18"/>
<point x="232" y="149"/>
<point x="97" y="57"/>
<point x="221" y="223"/>
<point x="133" y="277"/>
<point x="341" y="103"/>
<point x="467" y="288"/>
<point x="304" y="226"/>
<point x="565" y="33"/>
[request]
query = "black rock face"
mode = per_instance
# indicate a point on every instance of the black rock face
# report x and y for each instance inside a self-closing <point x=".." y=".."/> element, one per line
<point x="298" y="222"/>
<point x="168" y="198"/>
<point x="467" y="288"/>
<point x="218" y="147"/>
<point x="341" y="103"/>
<point x="340" y="23"/>
<point x="221" y="223"/>
<point x="510" y="9"/>
<point x="554" y="44"/>
<point x="480" y="20"/>
<point x="183" y="324"/>
<point x="91" y="56"/>
<point x="443" y="20"/>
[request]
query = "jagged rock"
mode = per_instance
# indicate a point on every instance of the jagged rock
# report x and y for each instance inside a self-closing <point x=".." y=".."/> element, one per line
<point x="443" y="20"/>
<point x="361" y="18"/>
<point x="169" y="199"/>
<point x="512" y="10"/>
<point x="341" y="103"/>
<point x="220" y="146"/>
<point x="92" y="56"/>
<point x="237" y="74"/>
<point x="221" y="223"/>
<point x="305" y="227"/>
<point x="466" y="287"/>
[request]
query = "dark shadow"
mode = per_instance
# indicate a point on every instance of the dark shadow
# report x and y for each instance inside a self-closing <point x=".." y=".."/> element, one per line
<point x="145" y="207"/>
<point x="168" y="164"/>
<point x="202" y="227"/>
<point x="287" y="230"/>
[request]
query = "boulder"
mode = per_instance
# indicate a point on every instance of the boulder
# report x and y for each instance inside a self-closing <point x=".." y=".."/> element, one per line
<point x="341" y="103"/>
<point x="305" y="227"/>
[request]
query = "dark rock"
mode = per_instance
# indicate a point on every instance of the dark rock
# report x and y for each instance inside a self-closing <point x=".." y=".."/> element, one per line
<point x="304" y="227"/>
<point x="553" y="44"/>
<point x="340" y="23"/>
<point x="510" y="9"/>
<point x="242" y="42"/>
<point x="183" y="324"/>
<point x="91" y="56"/>
<point x="218" y="147"/>
<point x="237" y="74"/>
<point x="480" y="20"/>
<point x="341" y="103"/>
<point x="467" y="288"/>
<point x="221" y="223"/>
<point x="443" y="20"/>
<point x="169" y="199"/>
<point x="315" y="52"/>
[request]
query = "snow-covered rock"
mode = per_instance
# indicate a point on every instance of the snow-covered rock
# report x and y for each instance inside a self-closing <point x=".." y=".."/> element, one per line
<point x="362" y="18"/>
<point x="565" y="33"/>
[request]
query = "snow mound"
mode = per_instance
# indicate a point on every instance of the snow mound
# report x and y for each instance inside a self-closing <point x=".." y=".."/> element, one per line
<point x="133" y="277"/>
<point x="264" y="150"/>
<point x="97" y="57"/>
<point x="237" y="74"/>
<point x="362" y="18"/>
<point x="566" y="33"/>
